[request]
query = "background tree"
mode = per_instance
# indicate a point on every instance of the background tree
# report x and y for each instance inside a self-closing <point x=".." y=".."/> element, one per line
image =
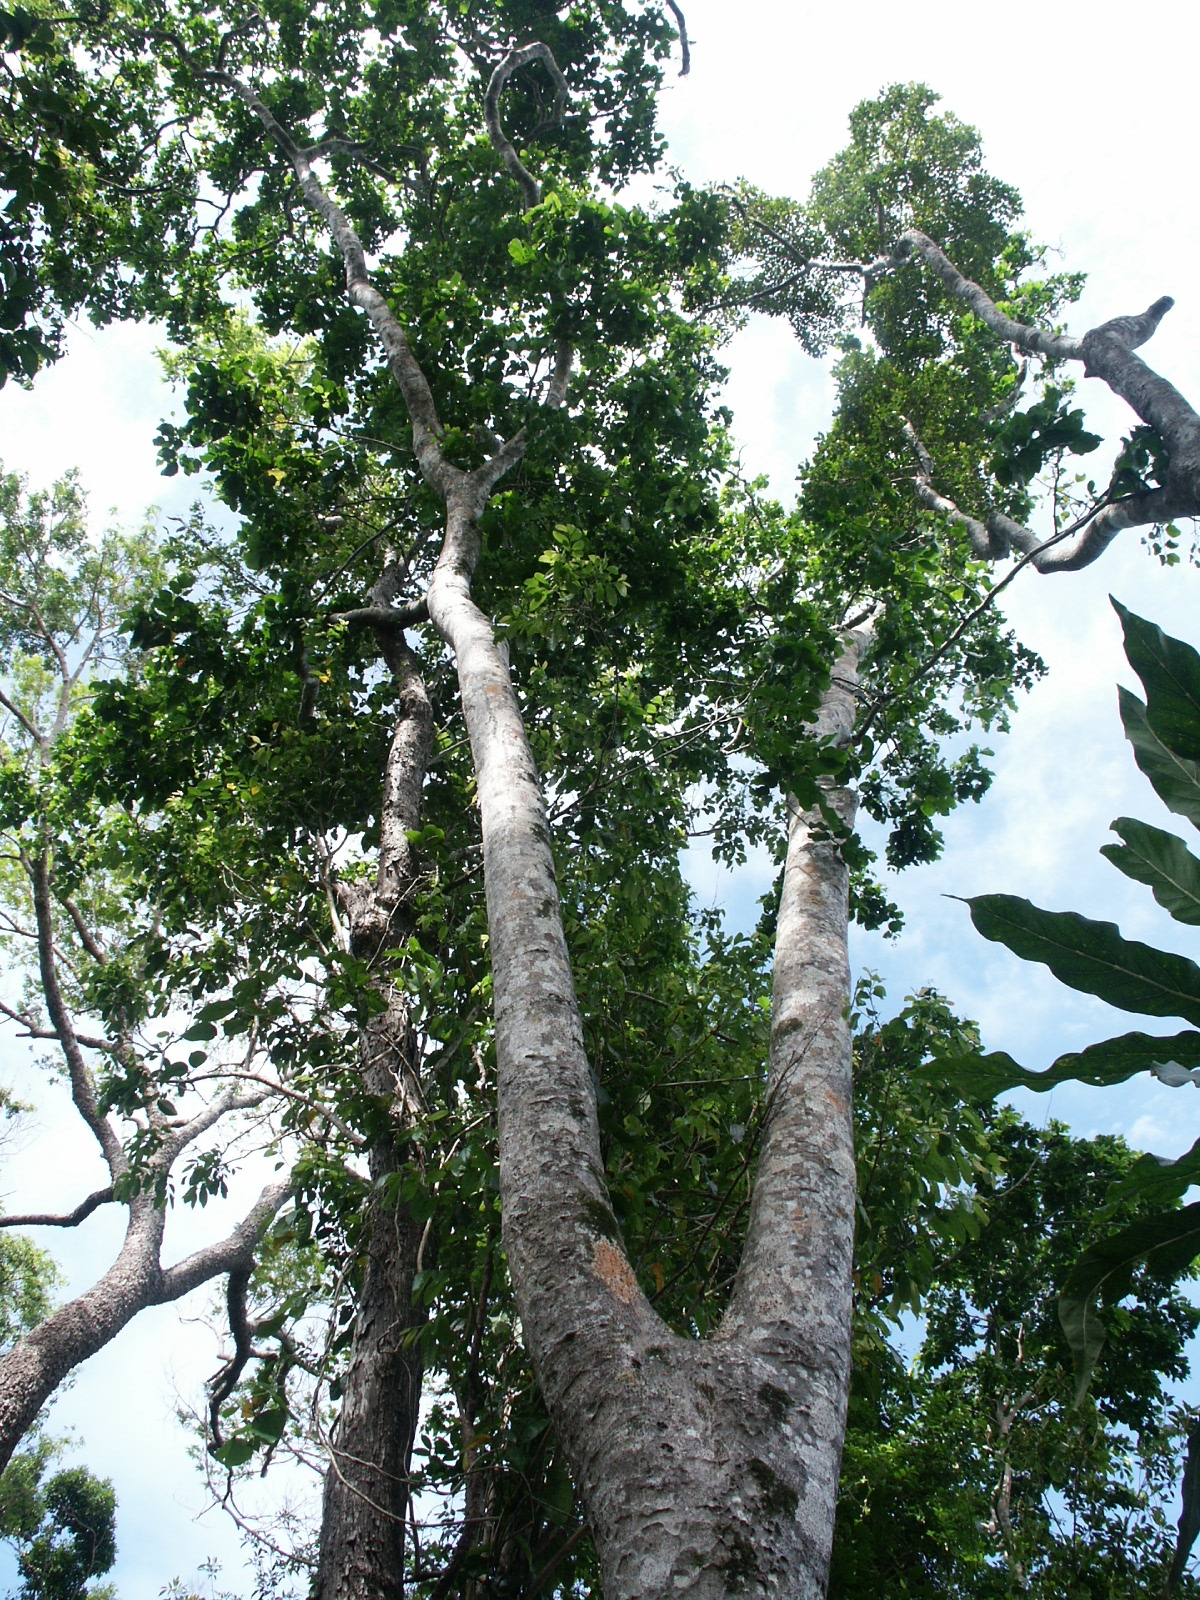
<point x="74" y="911"/>
<point x="969" y="1469"/>
<point x="1094" y="957"/>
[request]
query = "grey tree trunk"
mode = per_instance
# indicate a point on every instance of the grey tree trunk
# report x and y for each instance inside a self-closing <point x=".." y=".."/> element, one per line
<point x="366" y="1484"/>
<point x="707" y="1468"/>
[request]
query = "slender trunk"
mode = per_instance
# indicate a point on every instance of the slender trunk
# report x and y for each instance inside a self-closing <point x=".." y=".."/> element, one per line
<point x="707" y="1468"/>
<point x="366" y="1483"/>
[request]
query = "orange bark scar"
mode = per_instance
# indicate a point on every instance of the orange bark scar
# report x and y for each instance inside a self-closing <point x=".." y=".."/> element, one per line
<point x="611" y="1267"/>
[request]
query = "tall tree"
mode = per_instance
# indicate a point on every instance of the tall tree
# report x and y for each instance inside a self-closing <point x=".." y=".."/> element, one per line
<point x="549" y="350"/>
<point x="73" y="909"/>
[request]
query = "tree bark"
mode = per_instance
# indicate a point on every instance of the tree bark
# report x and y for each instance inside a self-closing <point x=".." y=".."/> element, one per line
<point x="707" y="1468"/>
<point x="33" y="1369"/>
<point x="366" y="1483"/>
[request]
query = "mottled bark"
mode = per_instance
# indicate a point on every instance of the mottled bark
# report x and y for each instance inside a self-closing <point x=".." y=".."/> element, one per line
<point x="366" y="1482"/>
<point x="707" y="1468"/>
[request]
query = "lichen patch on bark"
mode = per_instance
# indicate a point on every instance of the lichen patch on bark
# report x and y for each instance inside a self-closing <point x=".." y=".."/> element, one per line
<point x="611" y="1267"/>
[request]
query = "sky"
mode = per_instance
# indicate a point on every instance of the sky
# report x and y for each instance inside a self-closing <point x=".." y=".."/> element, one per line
<point x="1089" y="110"/>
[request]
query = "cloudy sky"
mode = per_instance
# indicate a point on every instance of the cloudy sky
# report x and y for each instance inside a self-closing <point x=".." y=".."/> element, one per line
<point x="1088" y="111"/>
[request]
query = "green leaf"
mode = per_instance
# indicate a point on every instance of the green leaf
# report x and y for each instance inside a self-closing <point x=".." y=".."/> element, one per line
<point x="269" y="1425"/>
<point x="1158" y="858"/>
<point x="1157" y="1179"/>
<point x="1113" y="1061"/>
<point x="1092" y="956"/>
<point x="1168" y="1243"/>
<point x="200" y="1031"/>
<point x="1176" y="780"/>
<point x="235" y="1452"/>
<point x="1170" y="671"/>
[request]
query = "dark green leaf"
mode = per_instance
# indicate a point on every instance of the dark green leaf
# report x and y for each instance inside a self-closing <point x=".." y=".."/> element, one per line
<point x="1154" y="1178"/>
<point x="1176" y="780"/>
<point x="1113" y="1061"/>
<point x="235" y="1452"/>
<point x="1158" y="858"/>
<point x="1092" y="956"/>
<point x="1168" y="1243"/>
<point x="1170" y="671"/>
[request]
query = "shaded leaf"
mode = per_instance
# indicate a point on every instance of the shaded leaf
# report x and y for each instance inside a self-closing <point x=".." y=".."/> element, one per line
<point x="1170" y="671"/>
<point x="1092" y="956"/>
<point x="1176" y="780"/>
<point x="1168" y="1243"/>
<point x="1112" y="1061"/>
<point x="1153" y="856"/>
<point x="1156" y="1178"/>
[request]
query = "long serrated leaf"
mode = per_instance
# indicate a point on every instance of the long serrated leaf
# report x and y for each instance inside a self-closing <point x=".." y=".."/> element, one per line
<point x="1170" y="671"/>
<point x="1156" y="1179"/>
<point x="1092" y="956"/>
<point x="1153" y="856"/>
<point x="1168" y="1242"/>
<point x="1112" y="1061"/>
<point x="1176" y="781"/>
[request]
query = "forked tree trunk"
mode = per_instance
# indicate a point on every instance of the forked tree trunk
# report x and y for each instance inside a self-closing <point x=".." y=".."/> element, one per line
<point x="366" y="1482"/>
<point x="707" y="1467"/>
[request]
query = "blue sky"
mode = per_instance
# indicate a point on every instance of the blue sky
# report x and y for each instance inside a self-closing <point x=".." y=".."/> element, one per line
<point x="1106" y="169"/>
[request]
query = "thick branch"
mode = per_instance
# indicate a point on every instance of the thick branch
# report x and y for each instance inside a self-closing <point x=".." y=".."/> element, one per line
<point x="684" y="46"/>
<point x="513" y="62"/>
<point x="1035" y="341"/>
<point x="232" y="1254"/>
<point x="391" y="618"/>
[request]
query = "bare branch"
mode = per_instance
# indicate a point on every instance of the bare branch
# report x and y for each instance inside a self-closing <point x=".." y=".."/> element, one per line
<point x="513" y="62"/>
<point x="684" y="46"/>
<point x="222" y="1106"/>
<point x="72" y="1219"/>
<point x="319" y="1106"/>
<point x="82" y="1089"/>
<point x="88" y="940"/>
<point x="34" y="1032"/>
<point x="234" y="1253"/>
<point x="389" y="617"/>
<point x="1072" y="548"/>
<point x="30" y="728"/>
<point x="1035" y="341"/>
